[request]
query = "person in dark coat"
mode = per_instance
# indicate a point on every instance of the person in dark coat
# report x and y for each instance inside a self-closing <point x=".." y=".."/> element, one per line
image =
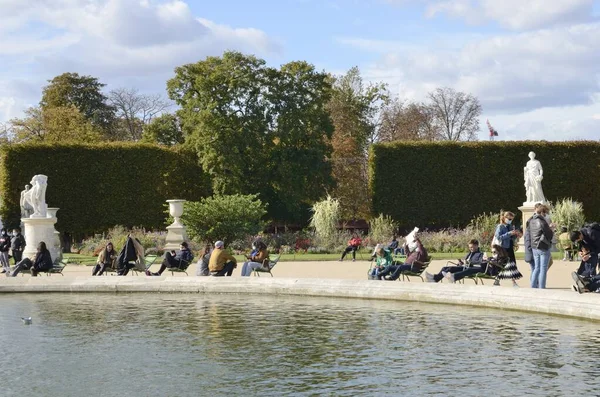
<point x="527" y="242"/>
<point x="540" y="235"/>
<point x="42" y="262"/>
<point x="180" y="260"/>
<point x="126" y="258"/>
<point x="473" y="258"/>
<point x="17" y="245"/>
<point x="4" y="248"/>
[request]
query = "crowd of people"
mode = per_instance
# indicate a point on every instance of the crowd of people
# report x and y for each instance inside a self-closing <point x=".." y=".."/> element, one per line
<point x="13" y="245"/>
<point x="502" y="265"/>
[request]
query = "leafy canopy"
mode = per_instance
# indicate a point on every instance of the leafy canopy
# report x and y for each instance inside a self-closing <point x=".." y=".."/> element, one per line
<point x="258" y="129"/>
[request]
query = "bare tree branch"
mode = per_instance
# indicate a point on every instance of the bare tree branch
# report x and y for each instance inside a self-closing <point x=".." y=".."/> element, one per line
<point x="136" y="110"/>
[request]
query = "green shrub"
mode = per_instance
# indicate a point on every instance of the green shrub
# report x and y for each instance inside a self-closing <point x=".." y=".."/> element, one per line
<point x="381" y="229"/>
<point x="228" y="218"/>
<point x="568" y="213"/>
<point x="152" y="242"/>
<point x="483" y="227"/>
<point x="325" y="220"/>
<point x="99" y="186"/>
<point x="438" y="185"/>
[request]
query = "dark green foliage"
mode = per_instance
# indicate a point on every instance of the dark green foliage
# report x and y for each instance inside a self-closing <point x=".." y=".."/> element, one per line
<point x="99" y="186"/>
<point x="447" y="184"/>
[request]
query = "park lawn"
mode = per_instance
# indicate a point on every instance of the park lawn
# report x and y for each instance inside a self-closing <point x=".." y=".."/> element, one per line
<point x="361" y="256"/>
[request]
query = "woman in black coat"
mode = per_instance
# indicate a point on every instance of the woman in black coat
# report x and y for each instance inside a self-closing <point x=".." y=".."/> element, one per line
<point x="41" y="262"/>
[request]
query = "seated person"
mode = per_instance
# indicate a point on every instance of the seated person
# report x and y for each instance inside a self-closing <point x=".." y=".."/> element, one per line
<point x="106" y="259"/>
<point x="41" y="262"/>
<point x="353" y="246"/>
<point x="589" y="262"/>
<point x="221" y="262"/>
<point x="492" y="267"/>
<point x="257" y="258"/>
<point x="394" y="247"/>
<point x="565" y="243"/>
<point x="202" y="265"/>
<point x="588" y="236"/>
<point x="473" y="257"/>
<point x="179" y="260"/>
<point x="383" y="261"/>
<point x="416" y="256"/>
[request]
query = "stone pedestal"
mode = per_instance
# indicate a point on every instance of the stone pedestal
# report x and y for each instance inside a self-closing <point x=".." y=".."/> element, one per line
<point x="51" y="213"/>
<point x="41" y="229"/>
<point x="176" y="232"/>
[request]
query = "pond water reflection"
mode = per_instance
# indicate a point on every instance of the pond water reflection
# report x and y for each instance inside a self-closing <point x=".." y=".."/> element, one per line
<point x="180" y="345"/>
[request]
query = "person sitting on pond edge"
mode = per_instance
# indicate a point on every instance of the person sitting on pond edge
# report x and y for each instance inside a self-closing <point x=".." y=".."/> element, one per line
<point x="172" y="259"/>
<point x="221" y="262"/>
<point x="353" y="246"/>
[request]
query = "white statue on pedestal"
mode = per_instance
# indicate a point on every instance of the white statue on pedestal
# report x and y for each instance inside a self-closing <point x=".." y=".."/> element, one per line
<point x="36" y="197"/>
<point x="26" y="208"/>
<point x="534" y="174"/>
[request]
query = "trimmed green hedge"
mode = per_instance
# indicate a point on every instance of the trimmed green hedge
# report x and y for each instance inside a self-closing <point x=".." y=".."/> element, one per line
<point x="445" y="184"/>
<point x="99" y="186"/>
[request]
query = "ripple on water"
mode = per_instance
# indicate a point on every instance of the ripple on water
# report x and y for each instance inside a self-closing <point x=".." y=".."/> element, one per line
<point x="179" y="345"/>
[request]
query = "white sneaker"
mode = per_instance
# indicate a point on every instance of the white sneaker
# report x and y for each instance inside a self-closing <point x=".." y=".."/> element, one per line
<point x="429" y="277"/>
<point x="449" y="276"/>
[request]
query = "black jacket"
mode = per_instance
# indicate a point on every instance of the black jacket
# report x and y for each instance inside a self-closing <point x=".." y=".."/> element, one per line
<point x="4" y="243"/>
<point x="42" y="261"/>
<point x="18" y="243"/>
<point x="540" y="233"/>
<point x="591" y="237"/>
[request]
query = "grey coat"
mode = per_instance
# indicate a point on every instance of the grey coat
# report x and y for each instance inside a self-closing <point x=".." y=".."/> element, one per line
<point x="527" y="240"/>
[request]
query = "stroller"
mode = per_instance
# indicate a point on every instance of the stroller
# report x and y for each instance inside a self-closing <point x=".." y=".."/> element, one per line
<point x="131" y="257"/>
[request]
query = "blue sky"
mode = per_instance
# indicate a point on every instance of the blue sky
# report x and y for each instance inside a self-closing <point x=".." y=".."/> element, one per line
<point x="533" y="64"/>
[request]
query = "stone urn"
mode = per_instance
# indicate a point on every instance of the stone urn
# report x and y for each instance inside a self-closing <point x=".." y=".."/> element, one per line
<point x="176" y="232"/>
<point x="176" y="210"/>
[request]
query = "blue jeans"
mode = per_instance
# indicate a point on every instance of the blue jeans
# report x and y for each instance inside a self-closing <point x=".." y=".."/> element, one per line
<point x="540" y="268"/>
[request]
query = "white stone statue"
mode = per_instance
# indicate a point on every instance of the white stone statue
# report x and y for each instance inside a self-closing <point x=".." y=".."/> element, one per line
<point x="36" y="197"/>
<point x="534" y="174"/>
<point x="26" y="208"/>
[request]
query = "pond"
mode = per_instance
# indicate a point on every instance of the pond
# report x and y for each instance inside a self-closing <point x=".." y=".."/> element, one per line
<point x="240" y="345"/>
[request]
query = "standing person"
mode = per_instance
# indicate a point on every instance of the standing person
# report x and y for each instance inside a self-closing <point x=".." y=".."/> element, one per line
<point x="106" y="259"/>
<point x="540" y="236"/>
<point x="4" y="248"/>
<point x="256" y="259"/>
<point x="527" y="241"/>
<point x="353" y="245"/>
<point x="221" y="262"/>
<point x="17" y="245"/>
<point x="506" y="236"/>
<point x="41" y="262"/>
<point x="202" y="265"/>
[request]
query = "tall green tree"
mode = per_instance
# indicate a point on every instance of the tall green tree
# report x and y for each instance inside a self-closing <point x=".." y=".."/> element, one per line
<point x="56" y="124"/>
<point x="83" y="92"/>
<point x="355" y="109"/>
<point x="258" y="129"/>
<point x="164" y="130"/>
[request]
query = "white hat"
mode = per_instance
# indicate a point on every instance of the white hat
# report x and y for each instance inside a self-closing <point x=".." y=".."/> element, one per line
<point x="219" y="244"/>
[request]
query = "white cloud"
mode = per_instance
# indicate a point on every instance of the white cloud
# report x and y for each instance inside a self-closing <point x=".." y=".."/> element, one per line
<point x="122" y="42"/>
<point x="512" y="14"/>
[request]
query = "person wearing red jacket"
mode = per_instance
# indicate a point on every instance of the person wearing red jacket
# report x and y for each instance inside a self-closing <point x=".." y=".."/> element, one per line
<point x="353" y="245"/>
